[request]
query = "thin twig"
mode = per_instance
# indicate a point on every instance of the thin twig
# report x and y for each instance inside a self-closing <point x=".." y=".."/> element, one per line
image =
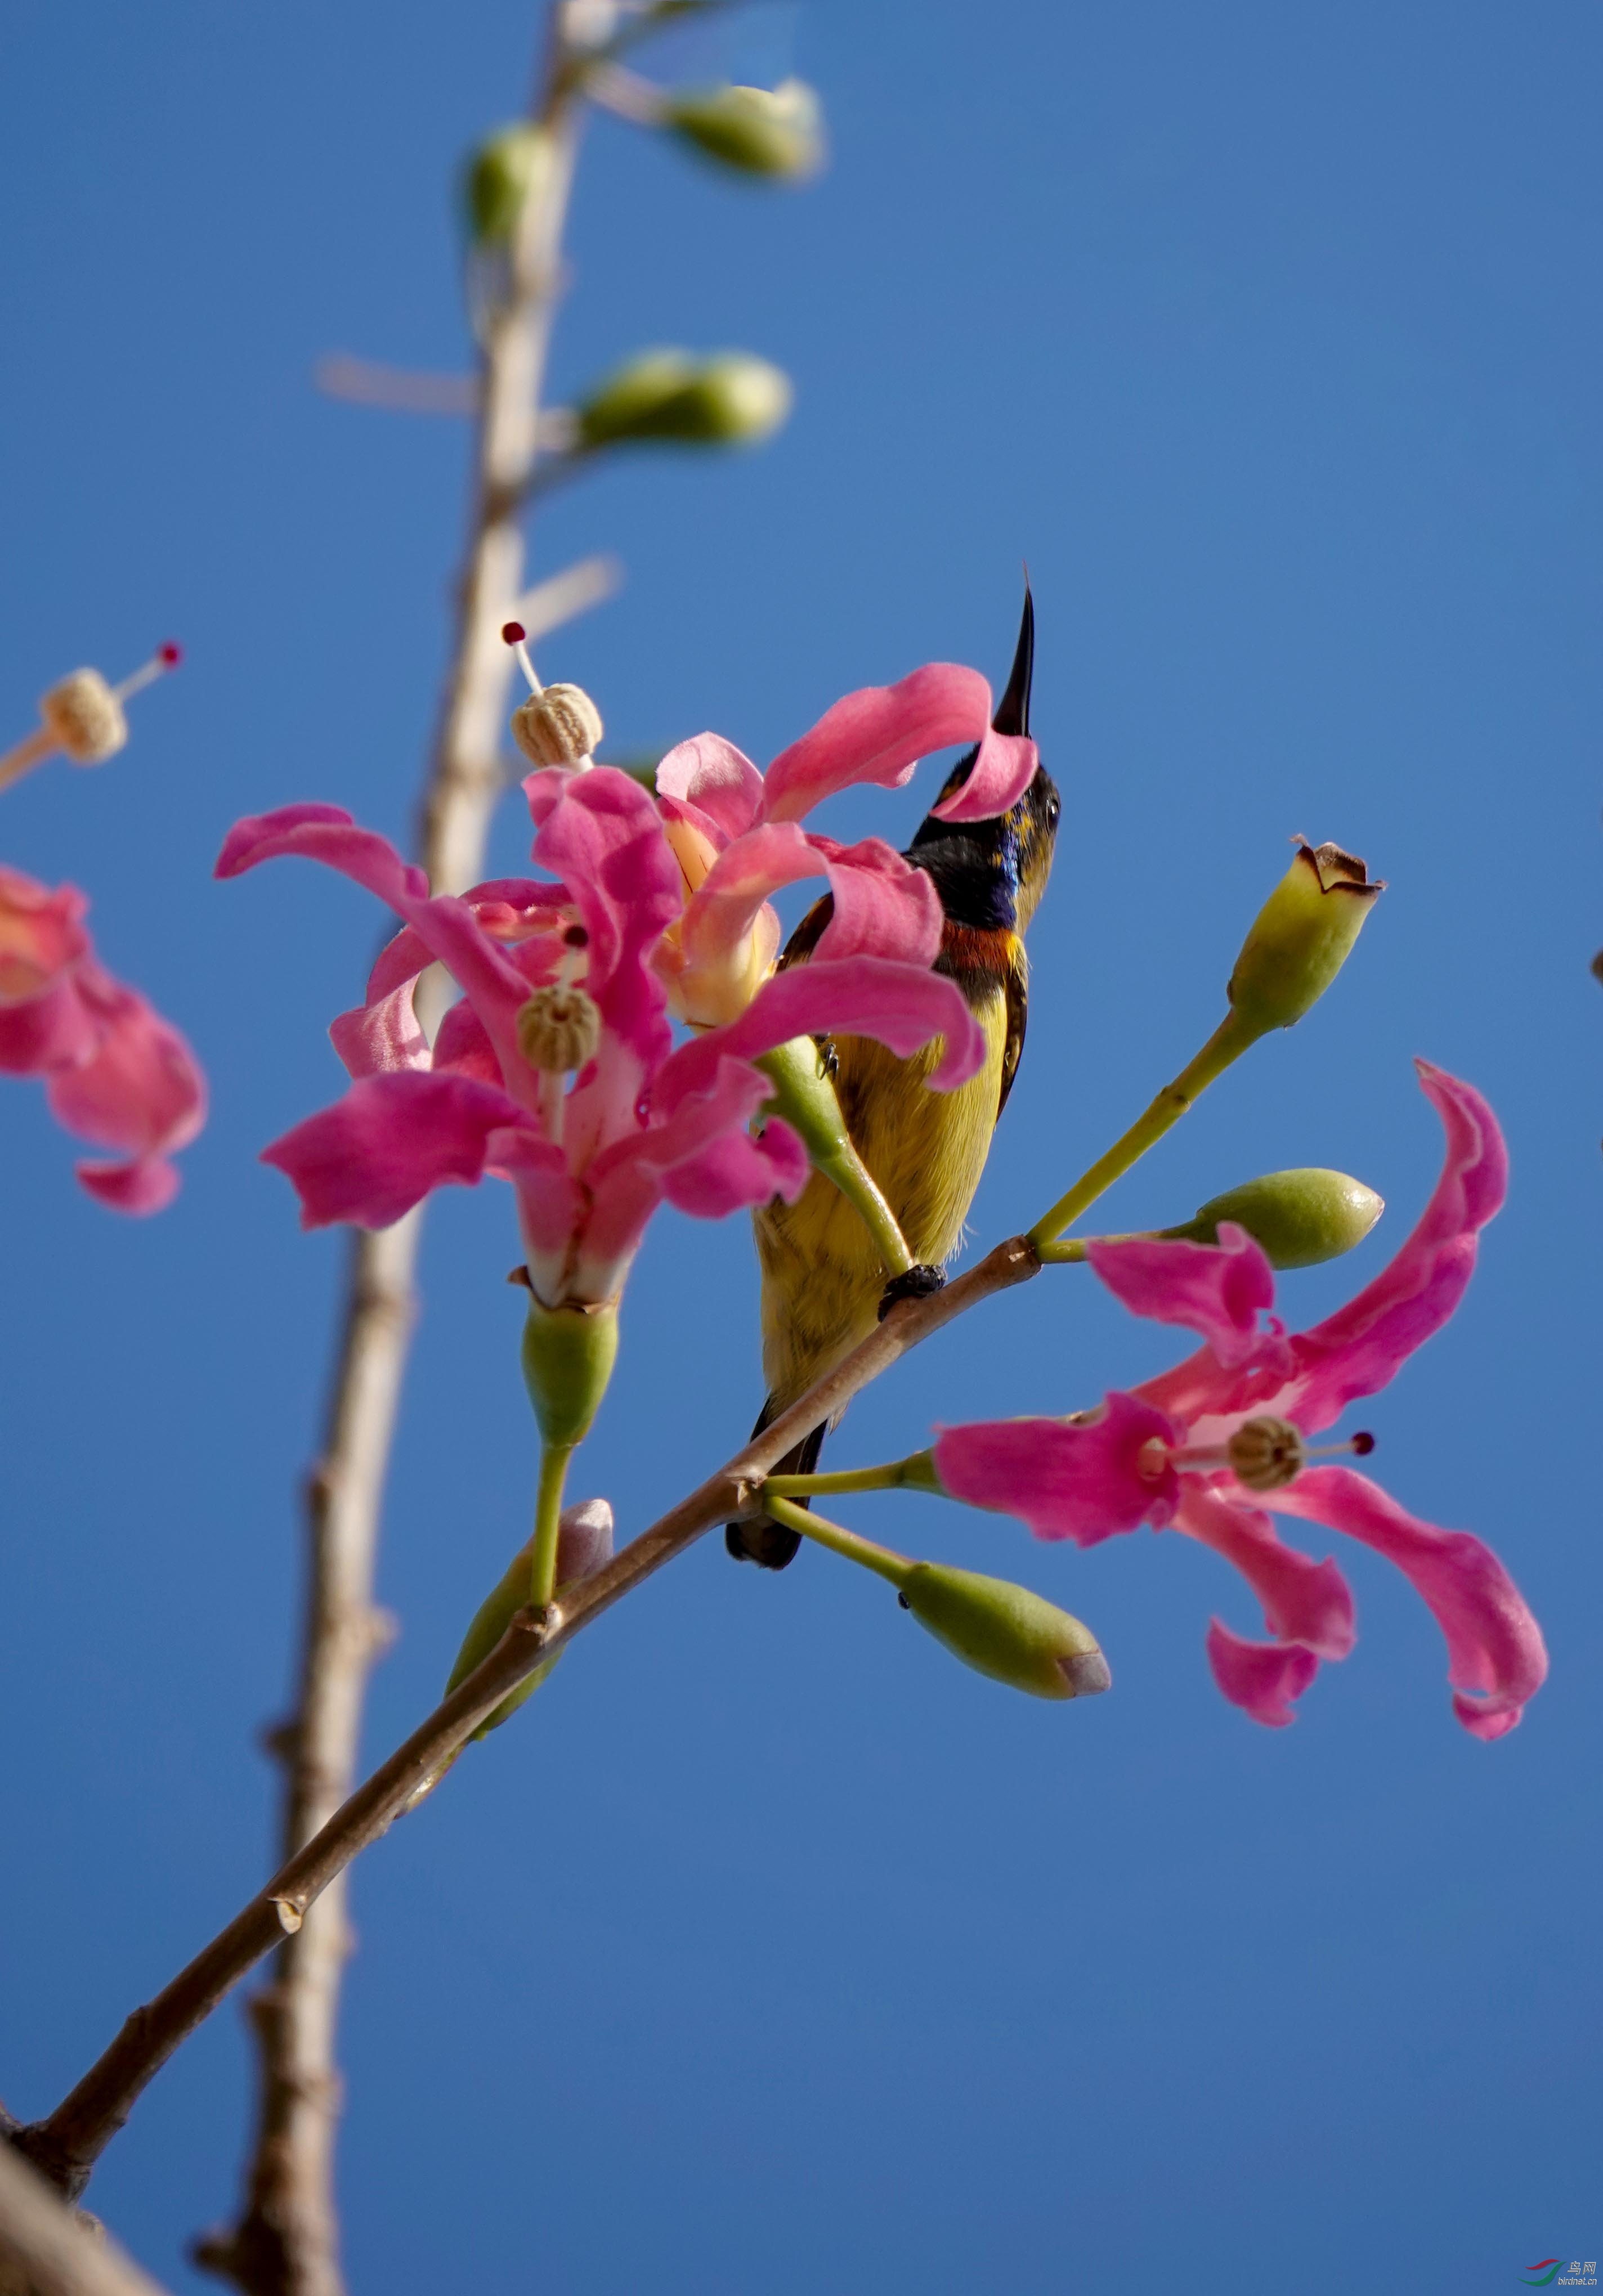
<point x="46" y="2249"/>
<point x="66" y="2145"/>
<point x="286" y="2241"/>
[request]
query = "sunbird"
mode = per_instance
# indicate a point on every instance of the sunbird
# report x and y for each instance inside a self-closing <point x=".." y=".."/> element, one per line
<point x="823" y="1281"/>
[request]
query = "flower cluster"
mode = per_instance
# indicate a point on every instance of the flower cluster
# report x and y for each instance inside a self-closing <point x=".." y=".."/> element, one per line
<point x="114" y="1071"/>
<point x="1212" y="1444"/>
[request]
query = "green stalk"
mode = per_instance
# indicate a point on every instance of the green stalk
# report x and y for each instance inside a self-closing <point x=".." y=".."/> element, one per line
<point x="880" y="1560"/>
<point x="1229" y="1041"/>
<point x="548" y="1522"/>
<point x="917" y="1473"/>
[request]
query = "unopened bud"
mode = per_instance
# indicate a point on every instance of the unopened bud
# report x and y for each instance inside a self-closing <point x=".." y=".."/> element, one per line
<point x="1302" y="937"/>
<point x="568" y="1358"/>
<point x="559" y="1030"/>
<point x="1298" y="1218"/>
<point x="1266" y="1454"/>
<point x="672" y="397"/>
<point x="557" y="726"/>
<point x="84" y="718"/>
<point x="501" y="177"/>
<point x="761" y="131"/>
<point x="584" y="1543"/>
<point x="1007" y="1632"/>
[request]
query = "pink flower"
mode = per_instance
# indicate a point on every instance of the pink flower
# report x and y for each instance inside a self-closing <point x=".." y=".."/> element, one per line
<point x="557" y="978"/>
<point x="115" y="1072"/>
<point x="735" y="834"/>
<point x="1211" y="1444"/>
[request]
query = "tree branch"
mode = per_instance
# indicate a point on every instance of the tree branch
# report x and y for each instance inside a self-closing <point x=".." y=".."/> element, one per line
<point x="66" y="2145"/>
<point x="45" y="2250"/>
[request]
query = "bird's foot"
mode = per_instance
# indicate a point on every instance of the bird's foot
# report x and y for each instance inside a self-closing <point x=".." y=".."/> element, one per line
<point x="914" y="1284"/>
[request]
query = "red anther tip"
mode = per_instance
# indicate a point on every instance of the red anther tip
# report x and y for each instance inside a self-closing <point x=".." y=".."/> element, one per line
<point x="514" y="633"/>
<point x="170" y="655"/>
<point x="1363" y="1445"/>
<point x="575" y="936"/>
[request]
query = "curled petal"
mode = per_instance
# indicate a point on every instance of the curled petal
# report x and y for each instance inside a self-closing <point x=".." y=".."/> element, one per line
<point x="1359" y="1348"/>
<point x="1262" y="1678"/>
<point x="898" y="1005"/>
<point x="716" y="779"/>
<point x="1066" y="1480"/>
<point x="1215" y="1289"/>
<point x="511" y="910"/>
<point x="392" y="1138"/>
<point x="371" y="1039"/>
<point x="1496" y="1657"/>
<point x="52" y="1030"/>
<point x="141" y="1093"/>
<point x="329" y="834"/>
<point x="1303" y="1601"/>
<point x="877" y="735"/>
<point x="41" y="935"/>
<point x="601" y="834"/>
<point x="1001" y="774"/>
<point x="464" y="1045"/>
<point x="882" y="906"/>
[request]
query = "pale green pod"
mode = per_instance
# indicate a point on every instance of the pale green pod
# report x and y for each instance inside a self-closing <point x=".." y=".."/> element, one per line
<point x="568" y="1358"/>
<point x="775" y="132"/>
<point x="1299" y="1217"/>
<point x="1007" y="1632"/>
<point x="500" y="175"/>
<point x="1301" y="938"/>
<point x="674" y="399"/>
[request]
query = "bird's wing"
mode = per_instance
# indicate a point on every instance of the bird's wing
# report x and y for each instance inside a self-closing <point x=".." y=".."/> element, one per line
<point x="807" y="934"/>
<point x="1018" y="1013"/>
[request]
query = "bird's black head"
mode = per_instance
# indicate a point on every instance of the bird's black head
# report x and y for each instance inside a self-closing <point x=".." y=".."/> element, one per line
<point x="992" y="874"/>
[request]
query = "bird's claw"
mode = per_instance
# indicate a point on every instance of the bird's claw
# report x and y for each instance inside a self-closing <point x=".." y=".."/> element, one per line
<point x="914" y="1284"/>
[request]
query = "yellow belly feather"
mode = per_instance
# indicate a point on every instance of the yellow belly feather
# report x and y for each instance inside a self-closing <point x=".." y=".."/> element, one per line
<point x="822" y="1278"/>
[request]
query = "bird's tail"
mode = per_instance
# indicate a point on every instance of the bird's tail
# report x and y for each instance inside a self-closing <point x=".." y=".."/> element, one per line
<point x="769" y="1544"/>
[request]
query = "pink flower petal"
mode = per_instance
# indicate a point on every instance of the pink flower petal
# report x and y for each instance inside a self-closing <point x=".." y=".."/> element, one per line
<point x="1215" y="1289"/>
<point x="1359" y="1348"/>
<point x="1066" y="1480"/>
<point x="392" y="1138"/>
<point x="146" y="1186"/>
<point x="54" y="1030"/>
<point x="1262" y="1678"/>
<point x="1496" y="1658"/>
<point x="715" y="777"/>
<point x="464" y="1047"/>
<point x="1303" y="1601"/>
<point x="141" y="1092"/>
<point x="1002" y="771"/>
<point x="371" y="1039"/>
<point x="41" y="935"/>
<point x="877" y="735"/>
<point x="883" y="907"/>
<point x="898" y="1005"/>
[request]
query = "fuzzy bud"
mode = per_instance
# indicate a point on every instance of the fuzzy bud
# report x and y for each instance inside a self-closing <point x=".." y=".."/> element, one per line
<point x="1265" y="1454"/>
<point x="1302" y="937"/>
<point x="568" y="1358"/>
<point x="1298" y="1218"/>
<point x="84" y="718"/>
<point x="672" y="397"/>
<point x="776" y="132"/>
<point x="501" y="177"/>
<point x="557" y="726"/>
<point x="1007" y="1632"/>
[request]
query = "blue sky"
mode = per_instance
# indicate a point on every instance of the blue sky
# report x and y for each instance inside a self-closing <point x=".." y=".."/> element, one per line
<point x="768" y="1951"/>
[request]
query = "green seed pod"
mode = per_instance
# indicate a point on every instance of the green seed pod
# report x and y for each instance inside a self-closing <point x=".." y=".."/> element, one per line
<point x="1302" y="937"/>
<point x="672" y="397"/>
<point x="500" y="175"/>
<point x="584" y="1543"/>
<point x="1007" y="1632"/>
<point x="761" y="131"/>
<point x="568" y="1358"/>
<point x="1299" y="1217"/>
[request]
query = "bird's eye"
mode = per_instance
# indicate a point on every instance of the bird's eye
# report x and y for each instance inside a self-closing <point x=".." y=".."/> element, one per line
<point x="1054" y="807"/>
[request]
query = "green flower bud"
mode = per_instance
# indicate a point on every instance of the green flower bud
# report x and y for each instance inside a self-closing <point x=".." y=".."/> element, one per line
<point x="501" y="177"/>
<point x="1302" y="937"/>
<point x="761" y="131"/>
<point x="568" y="1358"/>
<point x="584" y="1544"/>
<point x="1007" y="1632"/>
<point x="672" y="397"/>
<point x="1299" y="1217"/>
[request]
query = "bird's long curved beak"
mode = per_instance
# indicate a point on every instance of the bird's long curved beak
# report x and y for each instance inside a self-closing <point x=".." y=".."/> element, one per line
<point x="1013" y="710"/>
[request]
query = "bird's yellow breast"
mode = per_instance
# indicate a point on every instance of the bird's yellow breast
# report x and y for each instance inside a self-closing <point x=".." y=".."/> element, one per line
<point x="822" y="1278"/>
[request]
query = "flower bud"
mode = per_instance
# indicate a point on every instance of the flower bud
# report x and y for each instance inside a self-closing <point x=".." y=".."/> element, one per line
<point x="1007" y="1632"/>
<point x="84" y="718"/>
<point x="761" y="131"/>
<point x="501" y="177"/>
<point x="667" y="395"/>
<point x="1299" y="1218"/>
<point x="584" y="1543"/>
<point x="557" y="726"/>
<point x="568" y="1358"/>
<point x="1302" y="937"/>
